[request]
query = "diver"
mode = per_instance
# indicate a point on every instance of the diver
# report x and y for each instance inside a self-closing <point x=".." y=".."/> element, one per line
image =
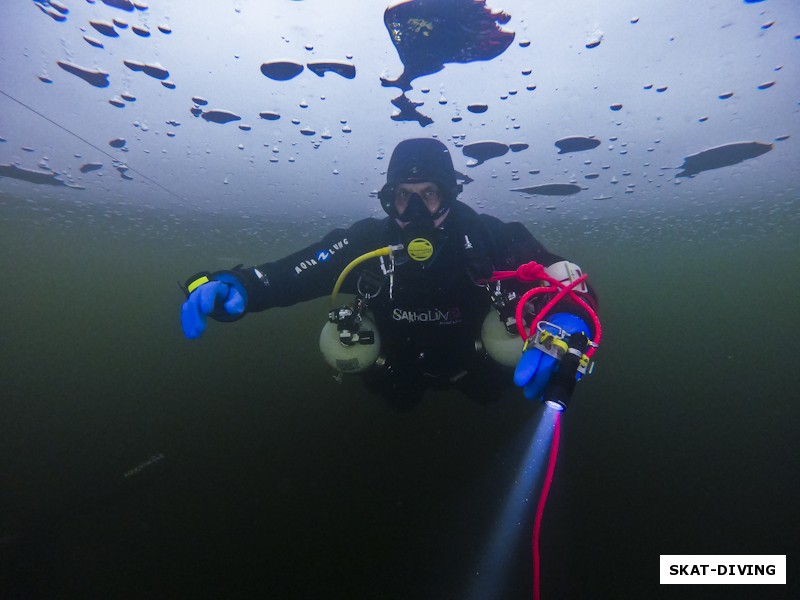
<point x="427" y="308"/>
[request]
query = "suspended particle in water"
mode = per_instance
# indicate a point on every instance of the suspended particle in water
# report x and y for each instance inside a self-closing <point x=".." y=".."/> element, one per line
<point x="781" y="138"/>
<point x="661" y="89"/>
<point x="117" y="143"/>
<point x="524" y="43"/>
<point x="93" y="42"/>
<point x="244" y="127"/>
<point x="199" y="101"/>
<point x="120" y="23"/>
<point x="703" y="119"/>
<point x="168" y="84"/>
<point x="128" y="97"/>
<point x="518" y="146"/>
<point x="635" y="20"/>
<point x="725" y="96"/>
<point x="766" y="85"/>
<point x="140" y="31"/>
<point x="269" y="116"/>
<point x="307" y="131"/>
<point x="649" y="86"/>
<point x="164" y="28"/>
<point x="594" y="42"/>
<point x="45" y="79"/>
<point x="616" y="106"/>
<point x="477" y="108"/>
<point x="768" y="24"/>
<point x="116" y="102"/>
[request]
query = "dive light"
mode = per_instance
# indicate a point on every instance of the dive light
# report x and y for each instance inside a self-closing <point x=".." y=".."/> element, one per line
<point x="562" y="383"/>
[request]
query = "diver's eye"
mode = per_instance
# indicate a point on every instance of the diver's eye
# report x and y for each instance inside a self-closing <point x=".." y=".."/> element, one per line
<point x="431" y="194"/>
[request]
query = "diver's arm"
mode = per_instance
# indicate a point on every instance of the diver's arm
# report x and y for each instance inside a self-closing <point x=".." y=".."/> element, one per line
<point x="308" y="273"/>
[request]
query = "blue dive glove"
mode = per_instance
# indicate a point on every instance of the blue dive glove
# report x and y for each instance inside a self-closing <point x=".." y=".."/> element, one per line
<point x="535" y="368"/>
<point x="223" y="298"/>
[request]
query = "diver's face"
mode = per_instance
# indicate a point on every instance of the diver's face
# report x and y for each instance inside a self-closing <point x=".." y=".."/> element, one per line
<point x="428" y="191"/>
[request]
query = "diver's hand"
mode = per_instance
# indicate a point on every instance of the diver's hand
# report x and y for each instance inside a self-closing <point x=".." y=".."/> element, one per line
<point x="217" y="299"/>
<point x="535" y="368"/>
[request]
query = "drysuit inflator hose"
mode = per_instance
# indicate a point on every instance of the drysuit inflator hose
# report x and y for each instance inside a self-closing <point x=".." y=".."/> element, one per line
<point x="357" y="261"/>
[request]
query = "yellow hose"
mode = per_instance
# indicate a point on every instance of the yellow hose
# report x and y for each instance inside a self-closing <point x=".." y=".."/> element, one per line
<point x="354" y="263"/>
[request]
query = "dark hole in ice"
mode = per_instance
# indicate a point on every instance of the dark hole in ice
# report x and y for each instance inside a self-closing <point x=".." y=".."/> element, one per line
<point x="199" y="101"/>
<point x="518" y="146"/>
<point x="89" y="167"/>
<point x="721" y="156"/>
<point x="550" y="189"/>
<point x="483" y="151"/>
<point x="616" y="106"/>
<point x="725" y="96"/>
<point x="93" y="42"/>
<point x="31" y="176"/>
<point x="121" y="4"/>
<point x="269" y="116"/>
<point x="95" y="78"/>
<point x="576" y="144"/>
<point x="281" y="70"/>
<point x="116" y="102"/>
<point x="409" y="112"/>
<point x="107" y="29"/>
<point x="140" y="31"/>
<point x="220" y="116"/>
<point x="56" y="15"/>
<point x="427" y="34"/>
<point x="766" y="85"/>
<point x="478" y="108"/>
<point x="117" y="143"/>
<point x="346" y="70"/>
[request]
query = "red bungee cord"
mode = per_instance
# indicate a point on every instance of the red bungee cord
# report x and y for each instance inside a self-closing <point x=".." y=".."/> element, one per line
<point x="534" y="271"/>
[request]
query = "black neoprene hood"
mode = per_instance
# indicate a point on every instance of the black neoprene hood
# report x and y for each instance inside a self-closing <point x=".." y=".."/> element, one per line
<point x="417" y="160"/>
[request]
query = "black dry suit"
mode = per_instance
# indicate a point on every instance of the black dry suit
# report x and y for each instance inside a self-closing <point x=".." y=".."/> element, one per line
<point x="430" y="317"/>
